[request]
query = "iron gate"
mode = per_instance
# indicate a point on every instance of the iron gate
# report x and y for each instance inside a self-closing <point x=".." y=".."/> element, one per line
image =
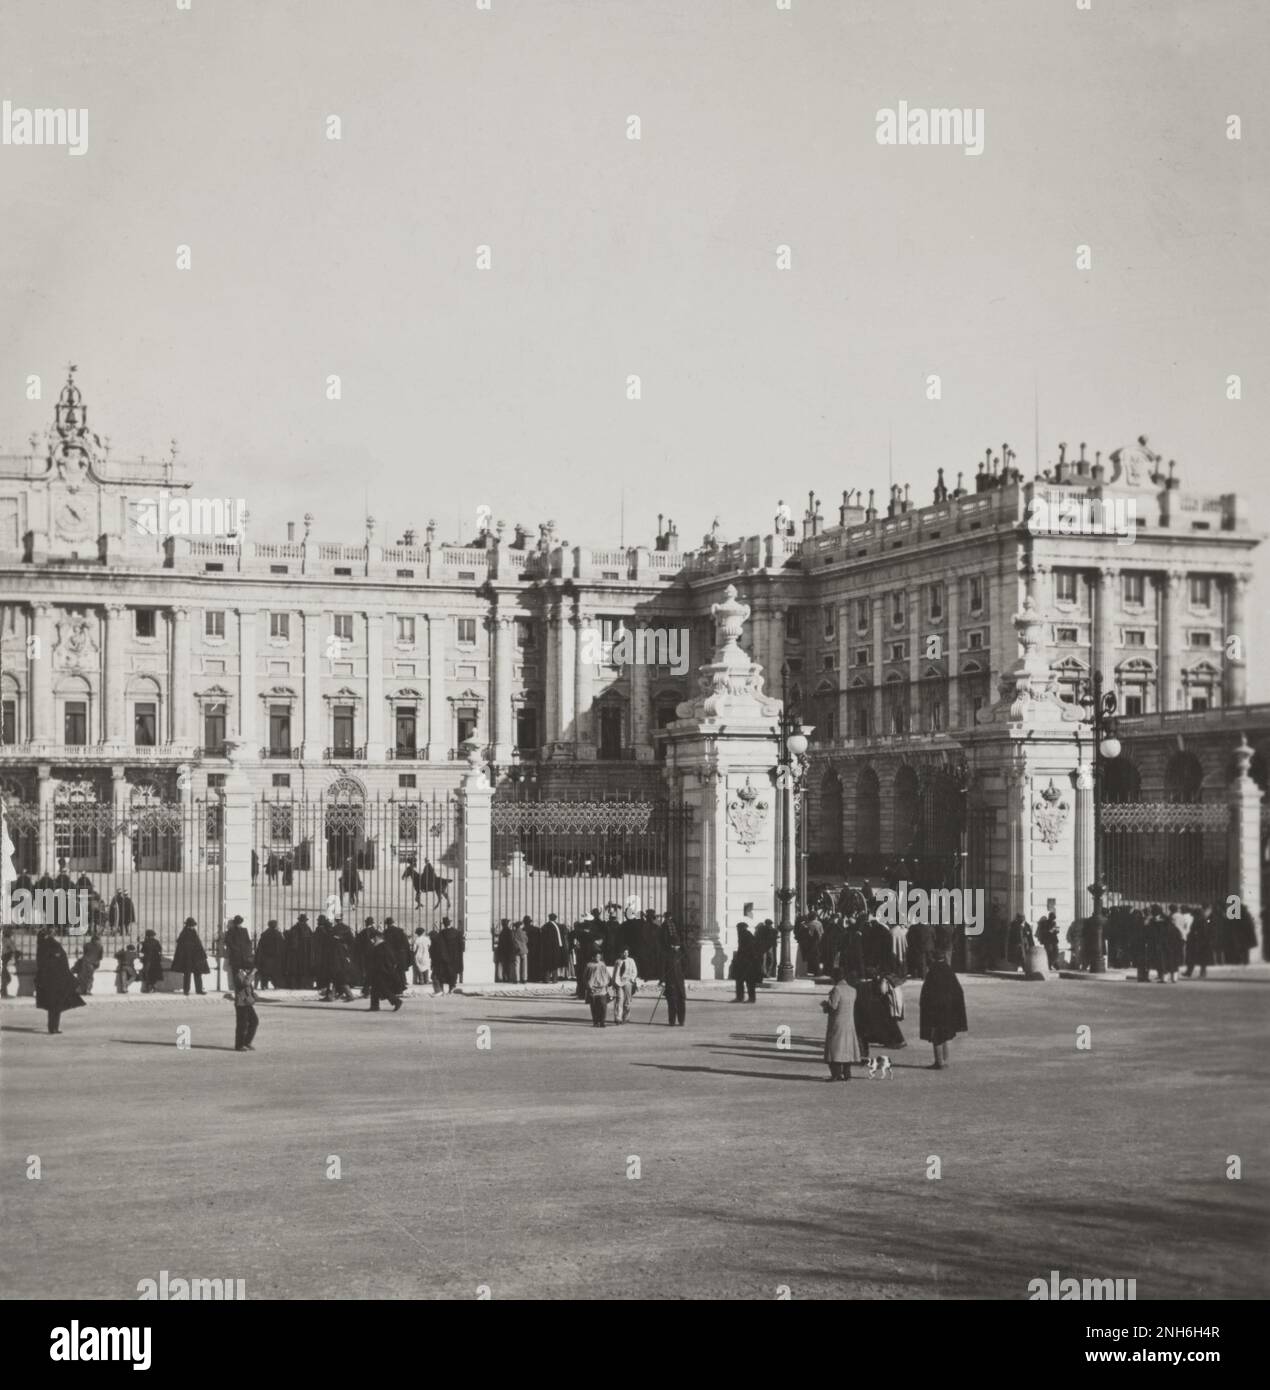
<point x="90" y="868"/>
<point x="1165" y="851"/>
<point x="357" y="856"/>
<point x="567" y="857"/>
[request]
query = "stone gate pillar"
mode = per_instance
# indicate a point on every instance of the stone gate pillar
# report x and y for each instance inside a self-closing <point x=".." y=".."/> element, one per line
<point x="1029" y="755"/>
<point x="721" y="763"/>
<point x="237" y="834"/>
<point x="1245" y="840"/>
<point x="474" y="900"/>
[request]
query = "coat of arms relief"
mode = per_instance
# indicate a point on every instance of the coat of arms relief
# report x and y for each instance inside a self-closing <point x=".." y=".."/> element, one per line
<point x="747" y="812"/>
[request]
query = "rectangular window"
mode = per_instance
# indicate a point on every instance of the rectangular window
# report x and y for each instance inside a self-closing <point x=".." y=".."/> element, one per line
<point x="899" y="651"/>
<point x="1134" y="588"/>
<point x="145" y="622"/>
<point x="466" y="725"/>
<point x="610" y="627"/>
<point x="862" y="656"/>
<point x="144" y="722"/>
<point x="1201" y="639"/>
<point x="1201" y="593"/>
<point x="1067" y="635"/>
<point x="214" y="623"/>
<point x="406" y="630"/>
<point x="826" y="662"/>
<point x="829" y="724"/>
<point x="466" y="629"/>
<point x="862" y="614"/>
<point x="280" y="625"/>
<point x="9" y="722"/>
<point x="407" y="780"/>
<point x="1065" y="586"/>
<point x="793" y="625"/>
<point x="1133" y="704"/>
<point x="214" y="729"/>
<point x="897" y="607"/>
<point x="936" y="602"/>
<point x="1135" y="637"/>
<point x="280" y="825"/>
<point x="862" y="721"/>
<point x="281" y="779"/>
<point x="344" y="627"/>
<point x="345" y="722"/>
<point x="279" y="731"/>
<point x="976" y="640"/>
<point x="406" y="731"/>
<point x="524" y="633"/>
<point x="277" y="569"/>
<point x="1199" y="703"/>
<point x="976" y="593"/>
<point x="75" y="724"/>
<point x="830" y="625"/>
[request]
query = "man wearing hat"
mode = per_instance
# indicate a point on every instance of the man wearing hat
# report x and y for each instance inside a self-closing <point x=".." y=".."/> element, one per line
<point x="270" y="952"/>
<point x="383" y="974"/>
<point x="399" y="949"/>
<point x="361" y="955"/>
<point x="189" y="957"/>
<point x="341" y="957"/>
<point x="239" y="954"/>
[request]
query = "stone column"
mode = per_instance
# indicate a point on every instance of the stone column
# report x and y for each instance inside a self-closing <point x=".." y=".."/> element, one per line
<point x="189" y="828"/>
<point x="181" y="694"/>
<point x="1236" y="672"/>
<point x="879" y="712"/>
<point x="247" y="735"/>
<point x="641" y="721"/>
<point x="551" y="678"/>
<point x="313" y="738"/>
<point x="775" y="649"/>
<point x="1083" y="859"/>
<point x="438" y="736"/>
<point x="1169" y="636"/>
<point x="119" y="809"/>
<point x="475" y="900"/>
<point x="1103" y="651"/>
<point x="42" y="675"/>
<point x="566" y="686"/>
<point x="844" y="666"/>
<point x="375" y="744"/>
<point x="915" y="659"/>
<point x="1245" y="841"/>
<point x="116" y="636"/>
<point x="952" y="597"/>
<point x="502" y="730"/>
<point x="584" y="740"/>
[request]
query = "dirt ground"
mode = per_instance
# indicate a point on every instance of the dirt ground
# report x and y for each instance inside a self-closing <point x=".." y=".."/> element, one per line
<point x="704" y="1162"/>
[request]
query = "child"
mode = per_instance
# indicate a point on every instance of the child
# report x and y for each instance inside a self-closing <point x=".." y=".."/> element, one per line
<point x="244" y="1007"/>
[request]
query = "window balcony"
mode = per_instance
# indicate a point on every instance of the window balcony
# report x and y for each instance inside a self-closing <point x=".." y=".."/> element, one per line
<point x="47" y="751"/>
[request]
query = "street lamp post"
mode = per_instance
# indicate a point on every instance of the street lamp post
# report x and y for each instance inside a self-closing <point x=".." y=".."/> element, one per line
<point x="790" y="771"/>
<point x="1100" y="707"/>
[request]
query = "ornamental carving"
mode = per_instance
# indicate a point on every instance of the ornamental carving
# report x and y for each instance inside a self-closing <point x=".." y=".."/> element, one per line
<point x="747" y="814"/>
<point x="76" y="646"/>
<point x="1049" y="813"/>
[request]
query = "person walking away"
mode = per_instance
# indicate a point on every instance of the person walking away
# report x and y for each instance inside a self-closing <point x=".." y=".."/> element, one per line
<point x="246" y="1018"/>
<point x="270" y="953"/>
<point x="596" y="980"/>
<point x="842" y="1044"/>
<point x="55" y="990"/>
<point x="420" y="976"/>
<point x="554" y="948"/>
<point x="85" y="968"/>
<point x="625" y="981"/>
<point x="385" y="979"/>
<point x="747" y="964"/>
<point x="1199" y="944"/>
<point x="189" y="957"/>
<point x="672" y="983"/>
<point x="941" y="1010"/>
<point x="151" y="963"/>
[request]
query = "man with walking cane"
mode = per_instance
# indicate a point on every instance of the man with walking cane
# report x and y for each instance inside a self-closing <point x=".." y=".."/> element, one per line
<point x="672" y="984"/>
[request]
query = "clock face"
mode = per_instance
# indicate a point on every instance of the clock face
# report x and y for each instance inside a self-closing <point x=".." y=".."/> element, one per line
<point x="74" y="518"/>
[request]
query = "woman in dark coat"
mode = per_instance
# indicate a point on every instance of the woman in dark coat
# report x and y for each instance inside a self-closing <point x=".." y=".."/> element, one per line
<point x="1199" y="944"/>
<point x="270" y="953"/>
<point x="151" y="962"/>
<point x="443" y="972"/>
<point x="941" y="1009"/>
<point x="842" y="1044"/>
<point x="874" y="1022"/>
<point x="453" y="939"/>
<point x="189" y="957"/>
<point x="299" y="957"/>
<point x="54" y="985"/>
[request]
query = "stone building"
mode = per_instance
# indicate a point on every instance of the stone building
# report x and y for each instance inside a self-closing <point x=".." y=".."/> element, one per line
<point x="143" y="627"/>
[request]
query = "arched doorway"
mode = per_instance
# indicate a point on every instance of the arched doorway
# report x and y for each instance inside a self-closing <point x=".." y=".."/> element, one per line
<point x="827" y="846"/>
<point x="1121" y="781"/>
<point x="868" y="819"/>
<point x="906" y="816"/>
<point x="345" y="816"/>
<point x="1184" y="778"/>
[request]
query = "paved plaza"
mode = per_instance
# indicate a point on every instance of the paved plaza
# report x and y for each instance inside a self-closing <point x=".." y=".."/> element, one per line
<point x="508" y="1167"/>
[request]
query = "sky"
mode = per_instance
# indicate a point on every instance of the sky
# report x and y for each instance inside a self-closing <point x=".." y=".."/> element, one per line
<point x="658" y="257"/>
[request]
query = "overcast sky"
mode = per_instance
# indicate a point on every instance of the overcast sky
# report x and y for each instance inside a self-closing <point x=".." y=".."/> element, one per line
<point x="507" y="387"/>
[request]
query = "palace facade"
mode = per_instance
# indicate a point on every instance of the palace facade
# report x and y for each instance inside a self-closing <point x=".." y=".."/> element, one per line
<point x="132" y="652"/>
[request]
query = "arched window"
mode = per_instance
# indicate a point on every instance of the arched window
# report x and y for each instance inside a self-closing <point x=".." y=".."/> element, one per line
<point x="868" y="813"/>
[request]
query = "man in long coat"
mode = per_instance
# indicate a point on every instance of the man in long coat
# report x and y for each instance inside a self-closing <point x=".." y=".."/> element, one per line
<point x="842" y="1045"/>
<point x="350" y="884"/>
<point x="747" y="964"/>
<point x="533" y="949"/>
<point x="519" y="959"/>
<point x="55" y="989"/>
<point x="399" y="949"/>
<point x="941" y="1009"/>
<point x="299" y="959"/>
<point x="270" y="952"/>
<point x="553" y="947"/>
<point x="341" y="958"/>
<point x="360" y="965"/>
<point x="383" y="974"/>
<point x="323" y="955"/>
<point x="672" y="982"/>
<point x="189" y="957"/>
<point x="151" y="962"/>
<point x="239" y="954"/>
<point x="454" y="950"/>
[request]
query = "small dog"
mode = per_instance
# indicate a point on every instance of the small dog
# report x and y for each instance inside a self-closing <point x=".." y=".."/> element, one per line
<point x="884" y="1068"/>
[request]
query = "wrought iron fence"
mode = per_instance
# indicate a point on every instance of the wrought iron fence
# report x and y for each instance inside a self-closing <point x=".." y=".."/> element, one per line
<point x="1161" y="852"/>
<point x="82" y="866"/>
<point x="357" y="856"/>
<point x="568" y="857"/>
